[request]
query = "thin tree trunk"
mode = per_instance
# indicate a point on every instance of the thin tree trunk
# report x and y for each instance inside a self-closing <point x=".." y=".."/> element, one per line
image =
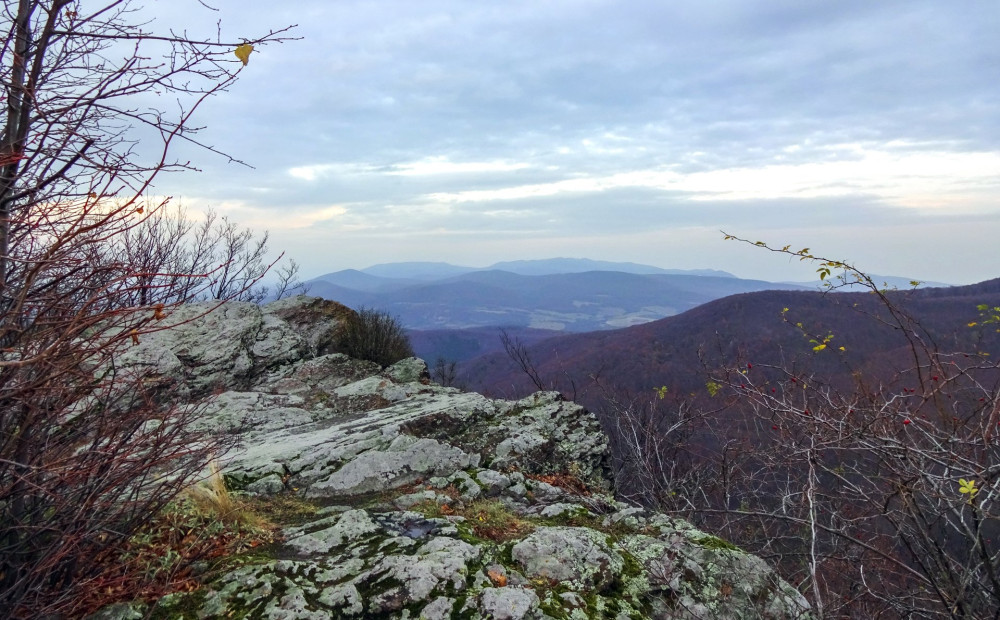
<point x="15" y="131"/>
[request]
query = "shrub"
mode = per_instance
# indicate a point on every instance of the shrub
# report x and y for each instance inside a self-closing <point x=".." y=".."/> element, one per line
<point x="88" y="454"/>
<point x="875" y="490"/>
<point x="375" y="335"/>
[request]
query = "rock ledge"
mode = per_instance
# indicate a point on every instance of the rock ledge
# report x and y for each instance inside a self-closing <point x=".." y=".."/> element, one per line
<point x="439" y="503"/>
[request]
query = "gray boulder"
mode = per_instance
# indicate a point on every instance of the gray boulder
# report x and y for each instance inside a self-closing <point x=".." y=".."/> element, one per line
<point x="578" y="557"/>
<point x="207" y="346"/>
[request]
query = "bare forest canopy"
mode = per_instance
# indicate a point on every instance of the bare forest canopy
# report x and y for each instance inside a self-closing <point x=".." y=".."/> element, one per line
<point x="677" y="351"/>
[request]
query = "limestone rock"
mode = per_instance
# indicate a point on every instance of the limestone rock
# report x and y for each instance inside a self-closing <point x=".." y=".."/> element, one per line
<point x="508" y="603"/>
<point x="404" y="461"/>
<point x="362" y="563"/>
<point x="206" y="346"/>
<point x="441" y="503"/>
<point x="577" y="557"/>
<point x="315" y="320"/>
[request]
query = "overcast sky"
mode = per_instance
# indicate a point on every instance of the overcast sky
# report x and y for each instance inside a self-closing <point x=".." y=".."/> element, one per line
<point x="473" y="132"/>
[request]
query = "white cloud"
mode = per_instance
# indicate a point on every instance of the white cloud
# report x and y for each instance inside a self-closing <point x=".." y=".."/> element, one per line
<point x="428" y="166"/>
<point x="441" y="165"/>
<point x="314" y="172"/>
<point x="919" y="179"/>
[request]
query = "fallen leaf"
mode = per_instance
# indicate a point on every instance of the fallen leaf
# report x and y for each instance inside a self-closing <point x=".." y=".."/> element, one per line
<point x="498" y="578"/>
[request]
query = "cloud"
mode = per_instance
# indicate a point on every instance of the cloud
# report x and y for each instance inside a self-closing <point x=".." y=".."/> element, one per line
<point x="423" y="167"/>
<point x="313" y="172"/>
<point x="593" y="119"/>
<point x="899" y="176"/>
<point x="441" y="165"/>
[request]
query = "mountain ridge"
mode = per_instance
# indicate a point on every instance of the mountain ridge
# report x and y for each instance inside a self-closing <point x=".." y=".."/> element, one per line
<point x="573" y="302"/>
<point x="675" y="351"/>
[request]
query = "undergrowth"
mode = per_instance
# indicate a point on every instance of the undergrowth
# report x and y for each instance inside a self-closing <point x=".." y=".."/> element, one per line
<point x="488" y="519"/>
<point x="200" y="532"/>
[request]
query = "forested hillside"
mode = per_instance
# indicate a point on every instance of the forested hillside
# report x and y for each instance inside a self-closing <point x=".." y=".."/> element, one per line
<point x="678" y="351"/>
<point x="853" y="439"/>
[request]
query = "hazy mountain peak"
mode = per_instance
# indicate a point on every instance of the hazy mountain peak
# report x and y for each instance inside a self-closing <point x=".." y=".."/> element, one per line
<point x="553" y="266"/>
<point x="417" y="270"/>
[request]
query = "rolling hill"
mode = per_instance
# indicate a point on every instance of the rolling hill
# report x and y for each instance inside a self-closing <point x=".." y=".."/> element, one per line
<point x="676" y="351"/>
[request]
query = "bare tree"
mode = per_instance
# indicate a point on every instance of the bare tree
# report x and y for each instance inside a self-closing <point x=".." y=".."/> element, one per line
<point x="654" y="447"/>
<point x="86" y="453"/>
<point x="170" y="263"/>
<point x="240" y="257"/>
<point x="518" y="353"/>
<point x="179" y="260"/>
<point x="445" y="372"/>
<point x="288" y="283"/>
<point x="879" y="498"/>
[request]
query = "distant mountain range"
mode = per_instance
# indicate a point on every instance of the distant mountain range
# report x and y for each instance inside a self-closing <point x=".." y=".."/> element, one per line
<point x="542" y="267"/>
<point x="454" y="311"/>
<point x="574" y="295"/>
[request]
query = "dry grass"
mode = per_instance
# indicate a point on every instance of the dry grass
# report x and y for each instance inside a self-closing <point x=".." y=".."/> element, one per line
<point x="488" y="518"/>
<point x="212" y="497"/>
<point x="205" y="525"/>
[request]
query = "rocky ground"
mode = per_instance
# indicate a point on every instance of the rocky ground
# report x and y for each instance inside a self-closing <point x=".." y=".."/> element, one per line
<point x="437" y="503"/>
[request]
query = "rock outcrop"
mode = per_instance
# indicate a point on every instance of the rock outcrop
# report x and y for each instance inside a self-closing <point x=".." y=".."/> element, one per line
<point x="438" y="503"/>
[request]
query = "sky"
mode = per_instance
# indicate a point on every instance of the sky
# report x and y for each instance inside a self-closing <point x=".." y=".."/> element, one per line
<point x="474" y="132"/>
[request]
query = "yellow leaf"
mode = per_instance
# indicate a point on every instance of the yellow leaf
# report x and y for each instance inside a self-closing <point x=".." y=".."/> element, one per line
<point x="967" y="487"/>
<point x="243" y="53"/>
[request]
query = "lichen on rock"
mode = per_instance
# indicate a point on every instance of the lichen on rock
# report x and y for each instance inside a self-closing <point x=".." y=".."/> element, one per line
<point x="441" y="504"/>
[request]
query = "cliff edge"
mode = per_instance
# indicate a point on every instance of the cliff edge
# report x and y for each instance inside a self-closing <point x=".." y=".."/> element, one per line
<point x="436" y="503"/>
